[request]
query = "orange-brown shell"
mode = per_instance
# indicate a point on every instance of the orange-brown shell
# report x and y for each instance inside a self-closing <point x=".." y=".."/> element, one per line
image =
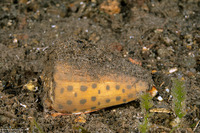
<point x="73" y="91"/>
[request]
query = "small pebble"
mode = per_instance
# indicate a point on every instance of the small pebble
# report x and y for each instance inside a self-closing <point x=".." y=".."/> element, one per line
<point x="23" y="105"/>
<point x="15" y="40"/>
<point x="9" y="22"/>
<point x="170" y="97"/>
<point x="145" y="48"/>
<point x="167" y="90"/>
<point x="172" y="70"/>
<point x="175" y="122"/>
<point x="153" y="91"/>
<point x="160" y="98"/>
<point x="158" y="31"/>
<point x="53" y="26"/>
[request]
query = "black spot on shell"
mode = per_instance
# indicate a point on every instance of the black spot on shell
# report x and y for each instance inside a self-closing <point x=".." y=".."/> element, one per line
<point x="83" y="88"/>
<point x="69" y="88"/>
<point x="118" y="98"/>
<point x="75" y="109"/>
<point x="83" y="101"/>
<point x="99" y="103"/>
<point x="75" y="94"/>
<point x="129" y="86"/>
<point x="107" y="87"/>
<point x="92" y="108"/>
<point x="107" y="100"/>
<point x="94" y="86"/>
<point x="117" y="87"/>
<point x="123" y="90"/>
<point x="93" y="98"/>
<point x="61" y="90"/>
<point x="130" y="95"/>
<point x="60" y="106"/>
<point x="124" y="100"/>
<point x="69" y="102"/>
<point x="99" y="92"/>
